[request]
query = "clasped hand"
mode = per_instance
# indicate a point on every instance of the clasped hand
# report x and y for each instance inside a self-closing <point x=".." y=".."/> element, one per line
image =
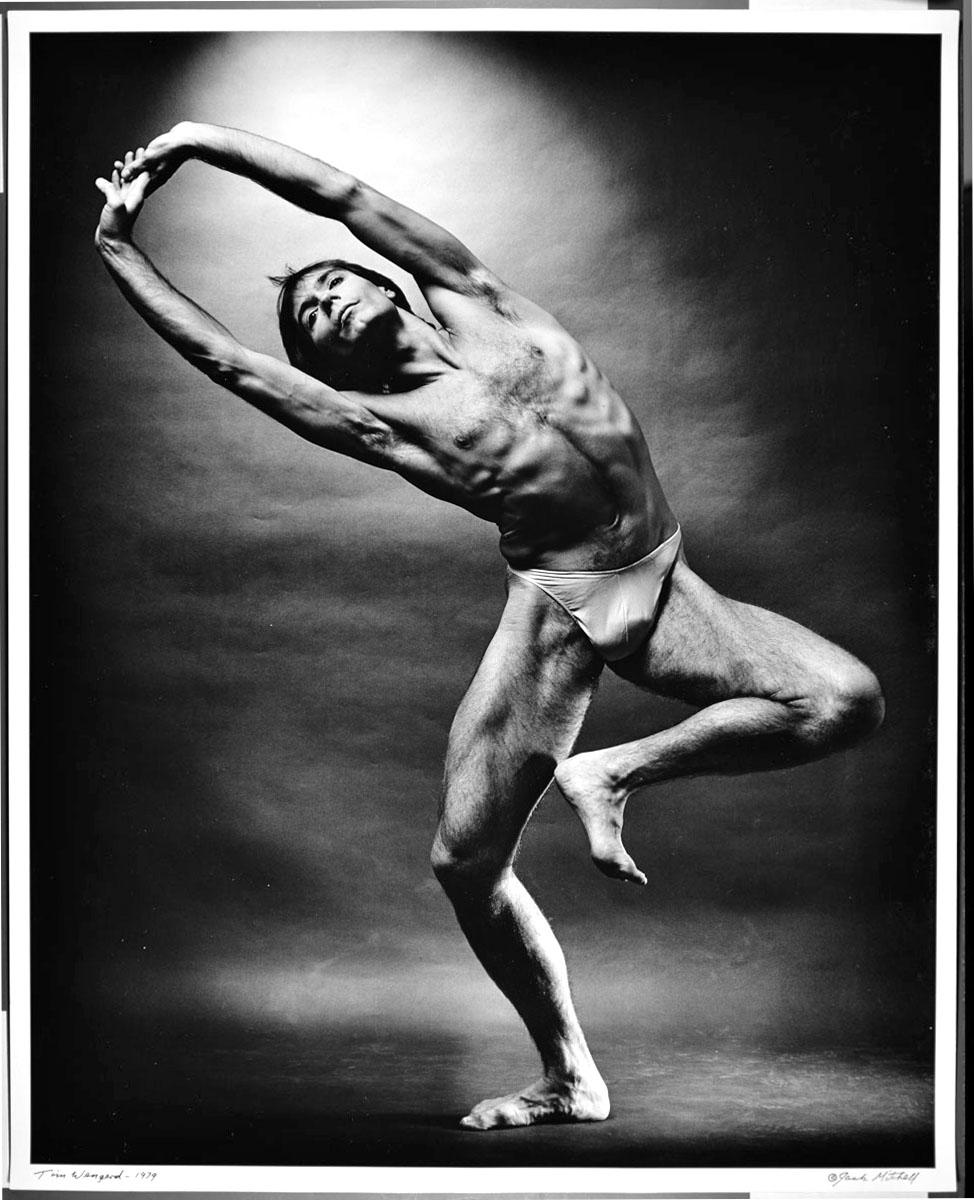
<point x="134" y="178"/>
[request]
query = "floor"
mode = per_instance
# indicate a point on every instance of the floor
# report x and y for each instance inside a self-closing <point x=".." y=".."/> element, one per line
<point x="370" y="1096"/>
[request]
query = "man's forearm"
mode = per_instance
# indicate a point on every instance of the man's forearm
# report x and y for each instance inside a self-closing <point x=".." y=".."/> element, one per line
<point x="418" y="245"/>
<point x="191" y="330"/>
<point x="309" y="408"/>
<point x="291" y="174"/>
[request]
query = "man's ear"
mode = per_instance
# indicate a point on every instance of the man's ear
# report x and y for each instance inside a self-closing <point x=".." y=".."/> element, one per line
<point x="389" y="292"/>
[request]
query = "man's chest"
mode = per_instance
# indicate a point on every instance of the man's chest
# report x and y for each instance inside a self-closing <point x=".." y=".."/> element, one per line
<point x="526" y="373"/>
<point x="507" y="388"/>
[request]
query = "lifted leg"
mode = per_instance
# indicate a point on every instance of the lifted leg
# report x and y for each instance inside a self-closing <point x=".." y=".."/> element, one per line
<point x="775" y="695"/>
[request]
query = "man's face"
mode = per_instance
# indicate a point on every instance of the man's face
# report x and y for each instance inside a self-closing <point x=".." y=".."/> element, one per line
<point x="339" y="311"/>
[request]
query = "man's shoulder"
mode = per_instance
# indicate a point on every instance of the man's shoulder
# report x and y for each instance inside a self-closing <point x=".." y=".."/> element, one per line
<point x="482" y="302"/>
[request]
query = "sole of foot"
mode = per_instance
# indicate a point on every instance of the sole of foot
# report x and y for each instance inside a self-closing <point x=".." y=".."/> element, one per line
<point x="599" y="807"/>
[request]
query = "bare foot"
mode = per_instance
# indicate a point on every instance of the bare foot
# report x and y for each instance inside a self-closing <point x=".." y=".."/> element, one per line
<point x="543" y="1102"/>
<point x="599" y="805"/>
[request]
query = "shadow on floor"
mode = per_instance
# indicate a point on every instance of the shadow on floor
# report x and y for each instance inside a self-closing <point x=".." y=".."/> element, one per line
<point x="370" y="1096"/>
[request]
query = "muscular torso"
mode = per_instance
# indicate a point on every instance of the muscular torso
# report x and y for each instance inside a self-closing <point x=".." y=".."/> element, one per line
<point x="527" y="433"/>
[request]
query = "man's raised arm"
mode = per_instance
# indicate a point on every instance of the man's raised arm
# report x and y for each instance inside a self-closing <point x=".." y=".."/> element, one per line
<point x="420" y="246"/>
<point x="318" y="413"/>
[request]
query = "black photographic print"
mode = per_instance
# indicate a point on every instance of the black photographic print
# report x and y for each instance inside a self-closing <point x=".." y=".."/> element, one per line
<point x="490" y="494"/>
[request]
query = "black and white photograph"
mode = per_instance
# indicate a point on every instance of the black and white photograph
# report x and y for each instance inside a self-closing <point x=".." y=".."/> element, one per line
<point x="481" y="657"/>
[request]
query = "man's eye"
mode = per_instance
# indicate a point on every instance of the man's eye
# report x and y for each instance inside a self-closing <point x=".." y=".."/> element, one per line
<point x="312" y="317"/>
<point x="336" y="279"/>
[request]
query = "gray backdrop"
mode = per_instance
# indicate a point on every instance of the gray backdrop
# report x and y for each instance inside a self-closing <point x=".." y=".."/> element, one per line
<point x="248" y="651"/>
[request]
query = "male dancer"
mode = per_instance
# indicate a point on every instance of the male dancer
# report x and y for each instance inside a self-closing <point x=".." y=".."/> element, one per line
<point x="497" y="409"/>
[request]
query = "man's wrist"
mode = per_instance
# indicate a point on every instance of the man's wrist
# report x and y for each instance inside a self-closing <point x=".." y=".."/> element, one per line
<point x="112" y="243"/>
<point x="190" y="136"/>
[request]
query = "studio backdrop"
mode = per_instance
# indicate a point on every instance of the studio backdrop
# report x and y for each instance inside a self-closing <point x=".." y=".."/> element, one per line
<point x="247" y="651"/>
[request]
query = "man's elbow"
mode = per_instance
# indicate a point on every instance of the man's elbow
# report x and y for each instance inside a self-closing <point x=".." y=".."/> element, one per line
<point x="339" y="194"/>
<point x="323" y="190"/>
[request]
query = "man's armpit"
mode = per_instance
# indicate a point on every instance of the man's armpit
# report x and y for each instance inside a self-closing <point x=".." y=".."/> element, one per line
<point x="485" y="286"/>
<point x="465" y="306"/>
<point x="420" y="468"/>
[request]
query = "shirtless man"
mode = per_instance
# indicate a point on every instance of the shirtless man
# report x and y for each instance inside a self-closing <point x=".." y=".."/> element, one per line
<point x="498" y="410"/>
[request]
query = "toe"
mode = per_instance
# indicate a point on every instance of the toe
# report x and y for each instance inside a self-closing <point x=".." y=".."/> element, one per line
<point x="484" y="1115"/>
<point x="620" y="867"/>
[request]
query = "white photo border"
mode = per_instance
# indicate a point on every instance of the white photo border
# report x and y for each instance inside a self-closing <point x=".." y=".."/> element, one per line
<point x="20" y="1172"/>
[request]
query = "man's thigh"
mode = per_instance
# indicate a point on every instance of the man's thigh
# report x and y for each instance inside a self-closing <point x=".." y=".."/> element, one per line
<point x="706" y="647"/>
<point x="519" y="718"/>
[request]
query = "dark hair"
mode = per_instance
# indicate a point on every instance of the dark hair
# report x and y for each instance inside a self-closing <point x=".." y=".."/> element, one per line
<point x="295" y="337"/>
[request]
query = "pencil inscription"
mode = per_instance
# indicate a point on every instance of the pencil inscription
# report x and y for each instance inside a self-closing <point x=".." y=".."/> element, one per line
<point x="96" y="1176"/>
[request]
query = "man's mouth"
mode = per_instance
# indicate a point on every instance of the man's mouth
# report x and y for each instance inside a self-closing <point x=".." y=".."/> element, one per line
<point x="345" y="311"/>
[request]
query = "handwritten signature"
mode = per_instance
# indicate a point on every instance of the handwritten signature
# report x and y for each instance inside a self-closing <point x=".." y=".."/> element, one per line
<point x="95" y="1176"/>
<point x="885" y="1176"/>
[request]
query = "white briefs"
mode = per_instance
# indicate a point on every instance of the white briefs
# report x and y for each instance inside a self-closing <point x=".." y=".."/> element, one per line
<point x="616" y="610"/>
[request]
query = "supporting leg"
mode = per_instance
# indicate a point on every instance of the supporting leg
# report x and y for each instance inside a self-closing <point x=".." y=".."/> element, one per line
<point x="520" y="716"/>
<point x="516" y="946"/>
<point x="775" y="695"/>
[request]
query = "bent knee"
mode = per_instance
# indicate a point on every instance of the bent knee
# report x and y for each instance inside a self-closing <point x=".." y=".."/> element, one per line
<point x="462" y="869"/>
<point x="846" y="707"/>
<point x="860" y="704"/>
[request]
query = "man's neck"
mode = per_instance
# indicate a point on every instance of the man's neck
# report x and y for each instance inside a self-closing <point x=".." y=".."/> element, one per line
<point x="420" y="354"/>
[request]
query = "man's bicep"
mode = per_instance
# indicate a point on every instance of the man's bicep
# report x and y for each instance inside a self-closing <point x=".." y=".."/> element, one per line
<point x="430" y="253"/>
<point x="332" y="419"/>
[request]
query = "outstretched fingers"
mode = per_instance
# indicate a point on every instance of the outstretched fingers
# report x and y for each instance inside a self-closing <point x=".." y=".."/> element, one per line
<point x="123" y="201"/>
<point x="134" y="164"/>
<point x="111" y="189"/>
<point x="126" y="166"/>
<point x="108" y="188"/>
<point x="136" y="191"/>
